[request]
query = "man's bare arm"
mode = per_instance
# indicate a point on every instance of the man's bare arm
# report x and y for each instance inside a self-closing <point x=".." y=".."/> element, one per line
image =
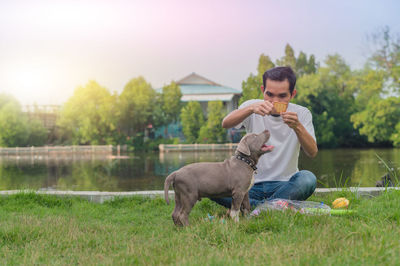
<point x="307" y="142"/>
<point x="237" y="116"/>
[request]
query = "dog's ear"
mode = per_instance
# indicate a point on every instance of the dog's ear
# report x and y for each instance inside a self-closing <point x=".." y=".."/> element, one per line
<point x="243" y="147"/>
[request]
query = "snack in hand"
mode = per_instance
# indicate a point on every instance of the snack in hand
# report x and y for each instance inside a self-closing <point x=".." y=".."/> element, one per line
<point x="280" y="107"/>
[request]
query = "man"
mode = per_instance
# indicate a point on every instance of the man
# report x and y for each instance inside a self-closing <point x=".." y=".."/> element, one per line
<point x="277" y="174"/>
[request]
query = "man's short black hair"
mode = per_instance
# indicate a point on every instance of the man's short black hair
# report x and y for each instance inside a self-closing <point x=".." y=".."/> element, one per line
<point x="280" y="74"/>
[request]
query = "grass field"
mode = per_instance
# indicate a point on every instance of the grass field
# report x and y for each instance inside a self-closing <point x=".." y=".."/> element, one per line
<point x="40" y="229"/>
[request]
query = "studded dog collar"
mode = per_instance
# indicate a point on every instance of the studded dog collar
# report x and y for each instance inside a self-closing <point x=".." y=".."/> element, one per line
<point x="246" y="160"/>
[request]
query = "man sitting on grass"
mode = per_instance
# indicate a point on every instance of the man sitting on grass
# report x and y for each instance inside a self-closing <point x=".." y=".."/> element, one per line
<point x="277" y="175"/>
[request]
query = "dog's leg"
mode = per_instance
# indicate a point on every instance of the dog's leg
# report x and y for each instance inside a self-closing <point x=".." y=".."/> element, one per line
<point x="237" y="199"/>
<point x="177" y="210"/>
<point x="245" y="207"/>
<point x="187" y="202"/>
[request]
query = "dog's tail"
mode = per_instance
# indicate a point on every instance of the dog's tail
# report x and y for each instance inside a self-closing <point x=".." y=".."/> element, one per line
<point x="170" y="179"/>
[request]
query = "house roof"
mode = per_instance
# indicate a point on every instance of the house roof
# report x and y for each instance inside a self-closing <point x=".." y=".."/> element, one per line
<point x="197" y="88"/>
<point x="196" y="79"/>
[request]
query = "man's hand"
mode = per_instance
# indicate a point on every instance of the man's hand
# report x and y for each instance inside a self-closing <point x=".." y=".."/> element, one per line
<point x="291" y="119"/>
<point x="307" y="142"/>
<point x="262" y="108"/>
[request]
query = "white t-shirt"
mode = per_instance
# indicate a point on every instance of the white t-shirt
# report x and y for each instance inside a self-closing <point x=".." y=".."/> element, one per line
<point x="282" y="163"/>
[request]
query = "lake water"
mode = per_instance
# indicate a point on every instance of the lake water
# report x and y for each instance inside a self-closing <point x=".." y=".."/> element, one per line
<point x="147" y="171"/>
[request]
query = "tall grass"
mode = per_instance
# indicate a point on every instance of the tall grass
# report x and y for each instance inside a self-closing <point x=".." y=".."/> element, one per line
<point x="341" y="183"/>
<point x="391" y="170"/>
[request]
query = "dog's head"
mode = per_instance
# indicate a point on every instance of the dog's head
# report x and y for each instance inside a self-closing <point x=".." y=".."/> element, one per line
<point x="253" y="145"/>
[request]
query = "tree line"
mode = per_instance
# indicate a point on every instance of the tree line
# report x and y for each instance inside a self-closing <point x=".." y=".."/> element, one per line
<point x="351" y="108"/>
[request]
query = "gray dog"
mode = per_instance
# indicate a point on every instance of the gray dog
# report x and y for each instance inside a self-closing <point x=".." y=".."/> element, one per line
<point x="231" y="178"/>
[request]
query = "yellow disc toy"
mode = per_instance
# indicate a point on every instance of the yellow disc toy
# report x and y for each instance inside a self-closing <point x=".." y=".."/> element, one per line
<point x="340" y="203"/>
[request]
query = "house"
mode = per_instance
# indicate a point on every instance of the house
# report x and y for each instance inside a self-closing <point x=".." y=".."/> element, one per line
<point x="197" y="88"/>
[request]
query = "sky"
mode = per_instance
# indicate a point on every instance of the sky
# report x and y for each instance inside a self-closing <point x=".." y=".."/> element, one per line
<point x="49" y="48"/>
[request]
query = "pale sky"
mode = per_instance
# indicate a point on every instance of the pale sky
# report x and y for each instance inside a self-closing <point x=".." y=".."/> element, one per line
<point x="48" y="48"/>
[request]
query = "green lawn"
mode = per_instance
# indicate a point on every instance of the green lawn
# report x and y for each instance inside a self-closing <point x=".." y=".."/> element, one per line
<point x="40" y="229"/>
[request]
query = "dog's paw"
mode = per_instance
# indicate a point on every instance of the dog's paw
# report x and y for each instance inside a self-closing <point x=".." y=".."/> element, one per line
<point x="235" y="215"/>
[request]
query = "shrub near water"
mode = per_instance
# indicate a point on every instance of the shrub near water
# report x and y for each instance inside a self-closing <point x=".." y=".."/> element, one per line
<point x="41" y="229"/>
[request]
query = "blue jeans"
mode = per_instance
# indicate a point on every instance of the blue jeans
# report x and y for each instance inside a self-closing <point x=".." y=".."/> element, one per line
<point x="299" y="187"/>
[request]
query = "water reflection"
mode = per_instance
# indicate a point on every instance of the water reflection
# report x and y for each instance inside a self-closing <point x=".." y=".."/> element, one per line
<point x="357" y="167"/>
<point x="147" y="171"/>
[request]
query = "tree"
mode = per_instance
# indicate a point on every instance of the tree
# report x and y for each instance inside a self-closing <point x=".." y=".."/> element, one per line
<point x="337" y="66"/>
<point x="251" y="88"/>
<point x="212" y="131"/>
<point x="13" y="124"/>
<point x="331" y="102"/>
<point x="90" y="115"/>
<point x="192" y="120"/>
<point x="171" y="102"/>
<point x="304" y="66"/>
<point x="136" y="103"/>
<point x="264" y="63"/>
<point x="311" y="66"/>
<point x="288" y="59"/>
<point x="16" y="129"/>
<point x="366" y="85"/>
<point x="387" y="57"/>
<point x="6" y="98"/>
<point x="158" y="116"/>
<point x="37" y="133"/>
<point x="301" y="64"/>
<point x="324" y="130"/>
<point x="395" y="137"/>
<point x="376" y="116"/>
<point x="312" y="95"/>
<point x="167" y="106"/>
<point x="379" y="121"/>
